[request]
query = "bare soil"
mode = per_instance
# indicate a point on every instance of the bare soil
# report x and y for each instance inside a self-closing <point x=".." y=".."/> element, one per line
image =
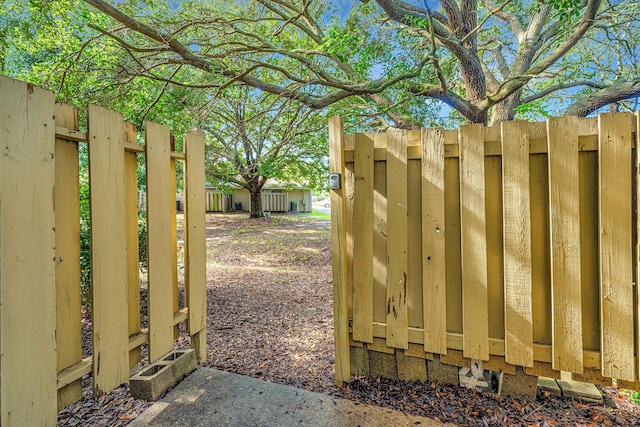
<point x="270" y="316"/>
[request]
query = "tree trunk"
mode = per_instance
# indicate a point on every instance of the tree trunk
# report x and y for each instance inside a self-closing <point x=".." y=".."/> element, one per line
<point x="256" y="203"/>
<point x="505" y="110"/>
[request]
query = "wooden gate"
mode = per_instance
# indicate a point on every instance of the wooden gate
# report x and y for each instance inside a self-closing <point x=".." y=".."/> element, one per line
<point x="41" y="359"/>
<point x="514" y="245"/>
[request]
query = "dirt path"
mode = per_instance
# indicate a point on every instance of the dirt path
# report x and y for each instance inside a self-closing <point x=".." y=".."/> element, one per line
<point x="270" y="314"/>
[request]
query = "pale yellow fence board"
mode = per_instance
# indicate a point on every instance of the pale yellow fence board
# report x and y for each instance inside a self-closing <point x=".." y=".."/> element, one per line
<point x="195" y="242"/>
<point x="174" y="244"/>
<point x="349" y="202"/>
<point x="380" y="235"/>
<point x="107" y="136"/>
<point x="453" y="248"/>
<point x="415" y="313"/>
<point x="27" y="268"/>
<point x="637" y="231"/>
<point x="338" y="255"/>
<point x="495" y="248"/>
<point x="517" y="244"/>
<point x="396" y="301"/>
<point x="565" y="244"/>
<point x="474" y="245"/>
<point x="133" y="258"/>
<point x="363" y="240"/>
<point x="616" y="257"/>
<point x="433" y="242"/>
<point x="67" y="207"/>
<point x="160" y="241"/>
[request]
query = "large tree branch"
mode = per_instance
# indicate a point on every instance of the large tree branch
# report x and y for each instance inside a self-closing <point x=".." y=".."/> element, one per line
<point x="608" y="95"/>
<point x="562" y="86"/>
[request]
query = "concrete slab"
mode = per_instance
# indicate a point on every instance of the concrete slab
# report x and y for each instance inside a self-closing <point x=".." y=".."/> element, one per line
<point x="209" y="397"/>
<point x="578" y="390"/>
<point x="549" y="385"/>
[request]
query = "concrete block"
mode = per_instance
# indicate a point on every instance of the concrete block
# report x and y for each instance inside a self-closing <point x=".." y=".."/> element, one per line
<point x="519" y="386"/>
<point x="359" y="361"/>
<point x="549" y="385"/>
<point x="441" y="373"/>
<point x="382" y="365"/>
<point x="410" y="368"/>
<point x="155" y="379"/>
<point x="582" y="391"/>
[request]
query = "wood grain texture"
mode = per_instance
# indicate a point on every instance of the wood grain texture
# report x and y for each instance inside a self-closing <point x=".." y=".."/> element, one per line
<point x="564" y="206"/>
<point x="107" y="136"/>
<point x="160" y="240"/>
<point x="616" y="256"/>
<point x="67" y="207"/>
<point x="338" y="255"/>
<point x="434" y="293"/>
<point x="517" y="244"/>
<point x="133" y="258"/>
<point x="362" y="322"/>
<point x="380" y="235"/>
<point x="174" y="243"/>
<point x="474" y="244"/>
<point x="27" y="267"/>
<point x="195" y="242"/>
<point x="396" y="301"/>
<point x="637" y="231"/>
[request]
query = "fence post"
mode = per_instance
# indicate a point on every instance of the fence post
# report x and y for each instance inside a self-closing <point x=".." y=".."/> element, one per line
<point x="195" y="242"/>
<point x="27" y="267"/>
<point x="338" y="253"/>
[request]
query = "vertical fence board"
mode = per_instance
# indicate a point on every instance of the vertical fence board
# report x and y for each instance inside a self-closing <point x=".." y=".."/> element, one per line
<point x="564" y="206"/>
<point x="434" y="294"/>
<point x="495" y="246"/>
<point x="637" y="232"/>
<point x="67" y="207"/>
<point x="363" y="240"/>
<point x="380" y="234"/>
<point x="453" y="244"/>
<point x="474" y="243"/>
<point x="338" y="255"/>
<point x="517" y="243"/>
<point x="174" y="240"/>
<point x="616" y="269"/>
<point x="540" y="249"/>
<point x="397" y="316"/>
<point x="589" y="250"/>
<point x="195" y="242"/>
<point x="133" y="258"/>
<point x="107" y="135"/>
<point x="349" y="201"/>
<point x="159" y="212"/>
<point x="27" y="268"/>
<point x="415" y="312"/>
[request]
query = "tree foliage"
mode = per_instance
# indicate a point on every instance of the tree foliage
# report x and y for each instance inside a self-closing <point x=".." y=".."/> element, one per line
<point x="485" y="60"/>
<point x="254" y="136"/>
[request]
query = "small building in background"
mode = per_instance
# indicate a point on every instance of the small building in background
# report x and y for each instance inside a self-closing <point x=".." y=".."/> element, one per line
<point x="276" y="197"/>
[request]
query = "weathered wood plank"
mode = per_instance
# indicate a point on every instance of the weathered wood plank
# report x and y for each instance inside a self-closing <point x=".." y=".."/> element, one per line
<point x="338" y="255"/>
<point x="434" y="293"/>
<point x="564" y="207"/>
<point x="616" y="256"/>
<point x="27" y="268"/>
<point x="107" y="135"/>
<point x="517" y="244"/>
<point x="67" y="207"/>
<point x="174" y="242"/>
<point x="160" y="241"/>
<point x="474" y="243"/>
<point x="380" y="234"/>
<point x="195" y="274"/>
<point x="396" y="300"/>
<point x="133" y="259"/>
<point x="363" y="241"/>
<point x="637" y="231"/>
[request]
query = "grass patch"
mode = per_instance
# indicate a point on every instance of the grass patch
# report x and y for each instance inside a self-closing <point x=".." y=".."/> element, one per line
<point x="316" y="215"/>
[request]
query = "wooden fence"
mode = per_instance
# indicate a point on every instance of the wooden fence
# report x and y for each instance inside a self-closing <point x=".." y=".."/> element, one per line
<point x="514" y="245"/>
<point x="41" y="359"/>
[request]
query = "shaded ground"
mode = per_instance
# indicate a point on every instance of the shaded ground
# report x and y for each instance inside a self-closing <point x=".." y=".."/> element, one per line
<point x="271" y="317"/>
